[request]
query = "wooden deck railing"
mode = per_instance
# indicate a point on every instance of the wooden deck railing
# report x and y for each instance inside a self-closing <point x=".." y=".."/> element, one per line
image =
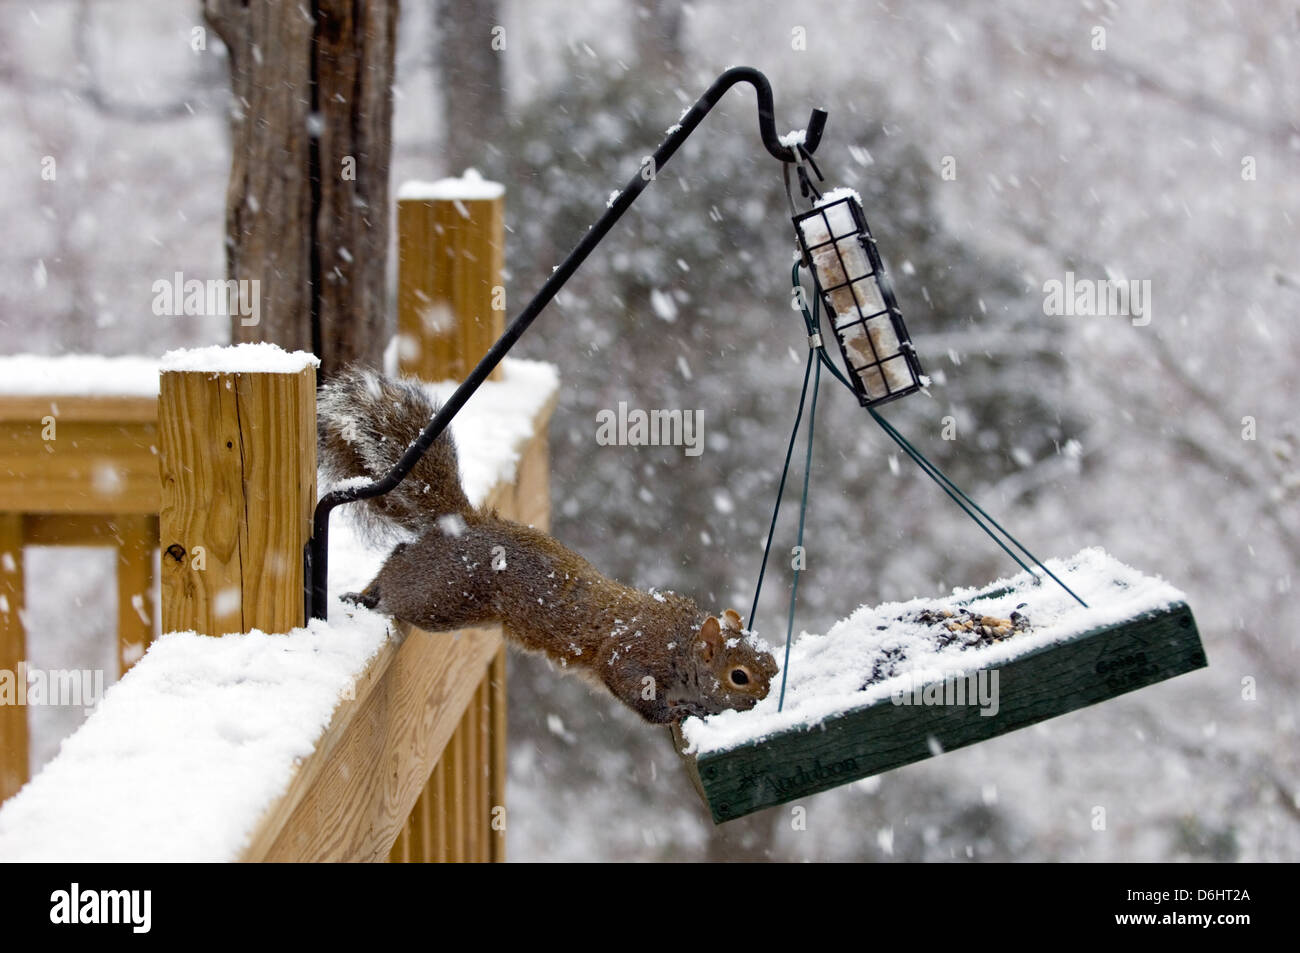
<point x="75" y="471"/>
<point x="412" y="766"/>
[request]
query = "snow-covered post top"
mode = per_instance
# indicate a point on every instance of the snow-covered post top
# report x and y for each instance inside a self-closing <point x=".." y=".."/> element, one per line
<point x="237" y="453"/>
<point x="450" y="290"/>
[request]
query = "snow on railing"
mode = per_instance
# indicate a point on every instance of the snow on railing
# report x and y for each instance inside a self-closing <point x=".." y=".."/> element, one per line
<point x="220" y="748"/>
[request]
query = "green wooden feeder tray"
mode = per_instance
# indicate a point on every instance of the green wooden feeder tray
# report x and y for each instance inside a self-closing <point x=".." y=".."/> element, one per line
<point x="1081" y="670"/>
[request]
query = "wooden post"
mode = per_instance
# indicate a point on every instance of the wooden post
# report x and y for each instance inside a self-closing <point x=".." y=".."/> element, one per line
<point x="401" y="850"/>
<point x="450" y="290"/>
<point x="474" y="833"/>
<point x="482" y="773"/>
<point x="137" y="538"/>
<point x="497" y="780"/>
<point x="455" y="806"/>
<point x="436" y="794"/>
<point x="13" y="717"/>
<point x="237" y="453"/>
<point x="484" y="768"/>
<point x="450" y="311"/>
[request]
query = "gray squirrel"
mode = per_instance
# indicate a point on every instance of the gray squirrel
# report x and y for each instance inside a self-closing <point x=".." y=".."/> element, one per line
<point x="657" y="652"/>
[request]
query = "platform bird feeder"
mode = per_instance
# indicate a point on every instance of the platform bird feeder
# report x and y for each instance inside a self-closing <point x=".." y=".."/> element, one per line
<point x="1093" y="663"/>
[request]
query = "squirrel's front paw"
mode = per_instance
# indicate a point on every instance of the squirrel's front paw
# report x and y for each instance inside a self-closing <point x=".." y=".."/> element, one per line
<point x="367" y="599"/>
<point x="681" y="710"/>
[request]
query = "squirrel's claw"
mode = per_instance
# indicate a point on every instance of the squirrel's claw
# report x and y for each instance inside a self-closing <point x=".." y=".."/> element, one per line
<point x="681" y="710"/>
<point x="367" y="599"/>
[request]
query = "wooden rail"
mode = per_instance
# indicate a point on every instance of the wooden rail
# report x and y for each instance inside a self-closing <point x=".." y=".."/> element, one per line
<point x="361" y="787"/>
<point x="412" y="767"/>
<point x="75" y="471"/>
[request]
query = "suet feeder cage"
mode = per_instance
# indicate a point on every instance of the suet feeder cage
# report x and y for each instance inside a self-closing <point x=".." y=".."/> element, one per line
<point x="856" y="294"/>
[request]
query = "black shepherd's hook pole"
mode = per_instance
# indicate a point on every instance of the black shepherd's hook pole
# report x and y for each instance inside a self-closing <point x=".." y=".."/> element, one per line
<point x="316" y="557"/>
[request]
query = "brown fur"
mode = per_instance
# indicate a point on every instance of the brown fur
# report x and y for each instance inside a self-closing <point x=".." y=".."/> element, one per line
<point x="656" y="652"/>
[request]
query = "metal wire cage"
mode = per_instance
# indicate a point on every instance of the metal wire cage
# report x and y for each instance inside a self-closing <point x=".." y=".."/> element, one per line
<point x="856" y="293"/>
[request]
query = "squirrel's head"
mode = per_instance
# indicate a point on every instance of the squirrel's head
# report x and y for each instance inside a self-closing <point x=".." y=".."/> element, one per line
<point x="742" y="669"/>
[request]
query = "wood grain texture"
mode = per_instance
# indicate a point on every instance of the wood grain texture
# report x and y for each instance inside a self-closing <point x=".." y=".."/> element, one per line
<point x="499" y="747"/>
<point x="30" y="408"/>
<point x="418" y="842"/>
<point x="202" y="512"/>
<point x="424" y="812"/>
<point x="71" y="529"/>
<point x="1041" y="684"/>
<point x="451" y="257"/>
<point x="13" y="649"/>
<point x="238" y="464"/>
<point x="277" y="418"/>
<point x="483" y="771"/>
<point x="137" y="539"/>
<point x="437" y="793"/>
<point x="352" y="797"/>
<point x="474" y="762"/>
<point x="400" y="852"/>
<point x="456" y="831"/>
<point x="99" y="461"/>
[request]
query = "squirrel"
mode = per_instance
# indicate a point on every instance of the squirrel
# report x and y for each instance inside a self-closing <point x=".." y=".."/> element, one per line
<point x="463" y="566"/>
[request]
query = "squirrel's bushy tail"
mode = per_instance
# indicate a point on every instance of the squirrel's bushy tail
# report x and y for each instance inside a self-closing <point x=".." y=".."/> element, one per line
<point x="364" y="423"/>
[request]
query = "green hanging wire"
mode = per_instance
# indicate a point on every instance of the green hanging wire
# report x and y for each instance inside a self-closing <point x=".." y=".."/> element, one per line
<point x="954" y="492"/>
<point x="780" y="492"/>
<point x="803" y="512"/>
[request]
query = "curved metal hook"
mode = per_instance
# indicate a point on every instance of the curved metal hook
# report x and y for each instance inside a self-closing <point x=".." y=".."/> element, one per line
<point x="766" y="112"/>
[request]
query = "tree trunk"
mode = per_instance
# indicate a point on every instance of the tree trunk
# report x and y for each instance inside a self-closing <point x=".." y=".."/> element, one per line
<point x="471" y="46"/>
<point x="657" y="29"/>
<point x="307" y="204"/>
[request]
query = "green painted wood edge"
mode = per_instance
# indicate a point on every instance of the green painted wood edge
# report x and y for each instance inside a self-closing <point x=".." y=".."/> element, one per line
<point x="1048" y="681"/>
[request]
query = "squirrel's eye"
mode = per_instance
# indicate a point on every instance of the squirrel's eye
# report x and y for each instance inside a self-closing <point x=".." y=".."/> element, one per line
<point x="739" y="676"/>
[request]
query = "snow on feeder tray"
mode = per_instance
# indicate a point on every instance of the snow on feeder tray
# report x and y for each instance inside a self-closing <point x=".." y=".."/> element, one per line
<point x="901" y="682"/>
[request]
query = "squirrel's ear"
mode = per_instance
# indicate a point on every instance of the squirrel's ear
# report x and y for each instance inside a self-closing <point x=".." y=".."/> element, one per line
<point x="732" y="620"/>
<point x="710" y="638"/>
